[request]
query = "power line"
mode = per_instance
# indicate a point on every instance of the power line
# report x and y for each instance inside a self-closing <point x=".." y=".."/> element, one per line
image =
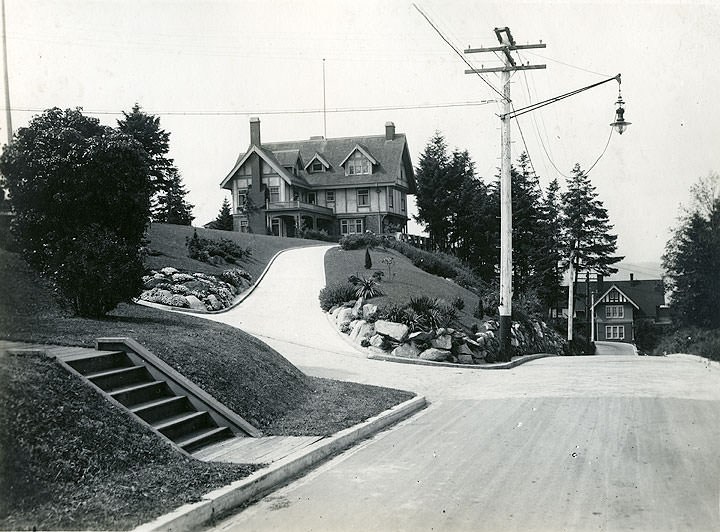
<point x="470" y="103"/>
<point x="569" y="65"/>
<point x="458" y="52"/>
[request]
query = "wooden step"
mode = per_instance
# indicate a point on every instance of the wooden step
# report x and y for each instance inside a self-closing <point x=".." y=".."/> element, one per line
<point x="140" y="393"/>
<point x="195" y="440"/>
<point x="98" y="361"/>
<point x="177" y="426"/>
<point x="163" y="407"/>
<point x="112" y="379"/>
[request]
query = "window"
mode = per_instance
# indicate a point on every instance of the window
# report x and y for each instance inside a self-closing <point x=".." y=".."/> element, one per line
<point x="311" y="198"/>
<point x="358" y="164"/>
<point x="391" y="198"/>
<point x="402" y="204"/>
<point x="317" y="166"/>
<point x="274" y="194"/>
<point x="330" y="196"/>
<point x="244" y="226"/>
<point x="275" y="226"/>
<point x="615" y="332"/>
<point x="348" y="227"/>
<point x="614" y="311"/>
<point x="241" y="201"/>
<point x="363" y="197"/>
<point x="614" y="296"/>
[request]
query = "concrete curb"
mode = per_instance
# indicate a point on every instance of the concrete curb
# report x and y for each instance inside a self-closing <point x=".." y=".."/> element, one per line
<point x="697" y="358"/>
<point x="222" y="500"/>
<point x="499" y="365"/>
<point x="239" y="299"/>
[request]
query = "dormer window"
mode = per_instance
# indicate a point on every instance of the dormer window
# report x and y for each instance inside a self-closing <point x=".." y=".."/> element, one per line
<point x="317" y="166"/>
<point x="358" y="165"/>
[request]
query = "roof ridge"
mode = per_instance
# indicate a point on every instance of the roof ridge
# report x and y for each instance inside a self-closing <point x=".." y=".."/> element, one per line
<point x="332" y="138"/>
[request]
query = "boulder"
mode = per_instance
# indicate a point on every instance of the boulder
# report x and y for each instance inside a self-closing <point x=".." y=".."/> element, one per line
<point x="464" y="350"/>
<point x="442" y="342"/>
<point x="377" y="340"/>
<point x="437" y="355"/>
<point x="357" y="311"/>
<point x="336" y="311"/>
<point x="369" y="311"/>
<point x="213" y="302"/>
<point x="344" y="316"/>
<point x="168" y="271"/>
<point x="362" y="330"/>
<point x="406" y="351"/>
<point x="420" y="336"/>
<point x="465" y="359"/>
<point x="182" y="277"/>
<point x="473" y="343"/>
<point x="194" y="303"/>
<point x="395" y="331"/>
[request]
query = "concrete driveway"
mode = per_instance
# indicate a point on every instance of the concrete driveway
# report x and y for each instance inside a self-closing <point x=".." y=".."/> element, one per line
<point x="566" y="443"/>
<point x="615" y="348"/>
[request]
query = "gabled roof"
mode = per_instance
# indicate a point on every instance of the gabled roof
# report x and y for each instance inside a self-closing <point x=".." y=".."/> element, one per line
<point x="362" y="150"/>
<point x="647" y="294"/>
<point x="390" y="156"/>
<point x="318" y="157"/>
<point x="614" y="287"/>
<point x="288" y="157"/>
<point x="270" y="159"/>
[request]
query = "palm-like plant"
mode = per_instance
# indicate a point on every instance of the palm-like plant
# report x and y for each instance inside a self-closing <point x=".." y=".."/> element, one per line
<point x="367" y="288"/>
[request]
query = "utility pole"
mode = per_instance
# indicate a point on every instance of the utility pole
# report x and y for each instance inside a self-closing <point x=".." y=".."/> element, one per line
<point x="571" y="297"/>
<point x="507" y="45"/>
<point x="8" y="114"/>
<point x="324" y="108"/>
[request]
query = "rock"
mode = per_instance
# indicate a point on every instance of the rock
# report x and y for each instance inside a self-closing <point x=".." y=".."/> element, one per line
<point x="168" y="271"/>
<point x="538" y="330"/>
<point x="464" y="350"/>
<point x="179" y="301"/>
<point x="336" y="312"/>
<point x="437" y="355"/>
<point x="406" y="351"/>
<point x="514" y="342"/>
<point x="395" y="331"/>
<point x="377" y="340"/>
<point x="420" y="336"/>
<point x="465" y="359"/>
<point x="357" y="308"/>
<point x="362" y="330"/>
<point x="442" y="342"/>
<point x="344" y="316"/>
<point x="213" y="302"/>
<point x="332" y="310"/>
<point x="158" y="276"/>
<point x="472" y="343"/>
<point x="369" y="311"/>
<point x="440" y="331"/>
<point x="182" y="277"/>
<point x="449" y="330"/>
<point x="489" y="334"/>
<point x="376" y="350"/>
<point x="194" y="303"/>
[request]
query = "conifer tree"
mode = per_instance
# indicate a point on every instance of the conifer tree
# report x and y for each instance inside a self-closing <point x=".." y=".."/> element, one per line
<point x="224" y="219"/>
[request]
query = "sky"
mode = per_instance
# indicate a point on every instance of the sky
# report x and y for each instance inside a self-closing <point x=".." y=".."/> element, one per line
<point x="206" y="67"/>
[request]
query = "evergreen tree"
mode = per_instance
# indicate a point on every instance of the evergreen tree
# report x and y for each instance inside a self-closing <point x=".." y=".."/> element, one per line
<point x="586" y="227"/>
<point x="692" y="257"/>
<point x="432" y="187"/>
<point x="224" y="220"/>
<point x="168" y="201"/>
<point x="170" y="205"/>
<point x="548" y="265"/>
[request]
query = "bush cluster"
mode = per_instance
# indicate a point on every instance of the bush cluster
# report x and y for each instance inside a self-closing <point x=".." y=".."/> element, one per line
<point x="691" y="340"/>
<point x="236" y="276"/>
<point x="420" y="313"/>
<point x="336" y="294"/>
<point x="317" y="234"/>
<point x="362" y="240"/>
<point x="216" y="251"/>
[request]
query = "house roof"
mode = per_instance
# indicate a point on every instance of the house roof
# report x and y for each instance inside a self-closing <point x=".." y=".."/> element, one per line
<point x="288" y="157"/>
<point x="270" y="158"/>
<point x="647" y="294"/>
<point x="614" y="287"/>
<point x="389" y="157"/>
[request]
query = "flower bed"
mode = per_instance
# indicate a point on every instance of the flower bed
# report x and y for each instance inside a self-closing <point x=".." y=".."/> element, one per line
<point x="196" y="291"/>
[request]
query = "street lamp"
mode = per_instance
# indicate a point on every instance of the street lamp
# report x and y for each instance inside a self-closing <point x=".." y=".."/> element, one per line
<point x="620" y="124"/>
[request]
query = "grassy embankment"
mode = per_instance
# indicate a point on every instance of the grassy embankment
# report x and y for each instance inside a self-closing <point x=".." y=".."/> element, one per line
<point x="70" y="461"/>
<point x="409" y="281"/>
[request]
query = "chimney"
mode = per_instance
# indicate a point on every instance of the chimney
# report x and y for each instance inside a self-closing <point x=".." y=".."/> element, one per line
<point x="255" y="131"/>
<point x="389" y="131"/>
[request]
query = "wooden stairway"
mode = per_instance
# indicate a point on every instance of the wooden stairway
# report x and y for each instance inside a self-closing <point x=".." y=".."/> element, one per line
<point x="133" y="378"/>
<point x="152" y="400"/>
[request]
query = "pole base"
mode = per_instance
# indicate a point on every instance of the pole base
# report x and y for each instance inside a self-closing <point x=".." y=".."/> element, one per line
<point x="505" y="353"/>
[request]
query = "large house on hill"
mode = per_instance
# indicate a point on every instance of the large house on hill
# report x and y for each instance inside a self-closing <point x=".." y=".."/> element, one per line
<point x="341" y="185"/>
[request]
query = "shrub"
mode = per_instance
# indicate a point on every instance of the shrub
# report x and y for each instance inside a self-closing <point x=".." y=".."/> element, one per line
<point x="458" y="303"/>
<point x="479" y="312"/>
<point x="336" y="294"/>
<point x="317" y="234"/>
<point x="378" y="275"/>
<point x="691" y="340"/>
<point x="236" y="277"/>
<point x="208" y="250"/>
<point x="368" y="260"/>
<point x="361" y="240"/>
<point x="367" y="288"/>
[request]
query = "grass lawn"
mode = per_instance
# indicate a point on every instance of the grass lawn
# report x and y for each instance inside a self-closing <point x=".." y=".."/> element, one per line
<point x="238" y="370"/>
<point x="409" y="281"/>
<point x="168" y="242"/>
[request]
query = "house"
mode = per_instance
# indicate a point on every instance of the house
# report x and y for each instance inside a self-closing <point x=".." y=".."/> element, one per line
<point x="340" y="185"/>
<point x="618" y="306"/>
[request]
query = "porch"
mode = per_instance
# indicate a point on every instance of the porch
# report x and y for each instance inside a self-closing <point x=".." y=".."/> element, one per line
<point x="287" y="218"/>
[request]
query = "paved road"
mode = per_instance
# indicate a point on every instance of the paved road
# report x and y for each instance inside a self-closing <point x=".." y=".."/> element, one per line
<point x="615" y="348"/>
<point x="577" y="443"/>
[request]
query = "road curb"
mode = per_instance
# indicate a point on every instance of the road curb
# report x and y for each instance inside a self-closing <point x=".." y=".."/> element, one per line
<point x="499" y="365"/>
<point x="222" y="500"/>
